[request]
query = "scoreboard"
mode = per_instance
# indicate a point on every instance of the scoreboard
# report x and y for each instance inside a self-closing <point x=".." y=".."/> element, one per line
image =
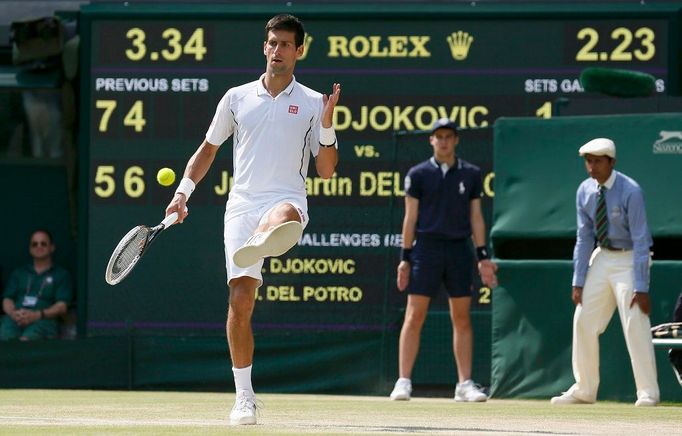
<point x="152" y="76"/>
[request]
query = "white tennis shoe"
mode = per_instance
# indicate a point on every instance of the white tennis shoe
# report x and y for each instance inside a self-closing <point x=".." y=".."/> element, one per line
<point x="566" y="398"/>
<point x="646" y="402"/>
<point x="469" y="392"/>
<point x="274" y="242"/>
<point x="244" y="409"/>
<point x="402" y="390"/>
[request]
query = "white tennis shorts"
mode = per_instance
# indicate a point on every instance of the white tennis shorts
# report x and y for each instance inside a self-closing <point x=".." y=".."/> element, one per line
<point x="241" y="227"/>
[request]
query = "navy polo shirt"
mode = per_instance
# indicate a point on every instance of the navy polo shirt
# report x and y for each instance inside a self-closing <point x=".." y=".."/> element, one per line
<point x="444" y="199"/>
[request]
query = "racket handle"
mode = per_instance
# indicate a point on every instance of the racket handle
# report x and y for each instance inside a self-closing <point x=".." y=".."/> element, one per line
<point x="171" y="219"/>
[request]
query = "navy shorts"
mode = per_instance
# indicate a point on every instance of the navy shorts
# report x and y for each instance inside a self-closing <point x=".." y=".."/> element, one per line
<point x="441" y="262"/>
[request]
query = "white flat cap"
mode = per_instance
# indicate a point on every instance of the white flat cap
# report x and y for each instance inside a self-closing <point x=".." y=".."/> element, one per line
<point x="599" y="147"/>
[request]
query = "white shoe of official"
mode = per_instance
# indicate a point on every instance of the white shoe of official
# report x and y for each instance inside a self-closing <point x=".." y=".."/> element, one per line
<point x="273" y="242"/>
<point x="402" y="390"/>
<point x="565" y="399"/>
<point x="646" y="402"/>
<point x="244" y="409"/>
<point x="468" y="391"/>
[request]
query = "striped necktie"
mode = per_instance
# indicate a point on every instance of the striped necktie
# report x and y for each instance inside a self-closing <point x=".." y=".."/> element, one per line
<point x="602" y="218"/>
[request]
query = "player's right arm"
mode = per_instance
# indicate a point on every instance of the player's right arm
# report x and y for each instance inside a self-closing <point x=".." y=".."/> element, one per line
<point x="197" y="167"/>
<point x="409" y="226"/>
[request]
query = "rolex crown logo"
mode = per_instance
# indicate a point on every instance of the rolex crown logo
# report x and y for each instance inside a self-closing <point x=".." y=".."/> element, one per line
<point x="307" y="40"/>
<point x="459" y="43"/>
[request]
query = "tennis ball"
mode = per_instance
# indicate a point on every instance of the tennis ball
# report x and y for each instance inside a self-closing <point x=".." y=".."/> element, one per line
<point x="165" y="176"/>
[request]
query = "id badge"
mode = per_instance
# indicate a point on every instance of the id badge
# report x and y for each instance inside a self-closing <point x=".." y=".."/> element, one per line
<point x="30" y="301"/>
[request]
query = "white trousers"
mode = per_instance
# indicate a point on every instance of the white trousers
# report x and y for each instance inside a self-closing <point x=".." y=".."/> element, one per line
<point x="609" y="285"/>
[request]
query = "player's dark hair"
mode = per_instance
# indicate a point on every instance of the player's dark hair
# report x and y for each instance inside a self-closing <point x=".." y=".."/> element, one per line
<point x="47" y="232"/>
<point x="289" y="23"/>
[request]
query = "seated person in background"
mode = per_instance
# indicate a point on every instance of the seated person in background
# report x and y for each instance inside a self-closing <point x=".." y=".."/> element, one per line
<point x="36" y="294"/>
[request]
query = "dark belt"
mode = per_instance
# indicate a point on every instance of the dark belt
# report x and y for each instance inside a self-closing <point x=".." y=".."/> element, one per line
<point x="615" y="248"/>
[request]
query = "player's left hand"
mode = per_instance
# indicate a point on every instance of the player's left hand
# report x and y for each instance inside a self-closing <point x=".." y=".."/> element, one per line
<point x="642" y="298"/>
<point x="487" y="269"/>
<point x="329" y="103"/>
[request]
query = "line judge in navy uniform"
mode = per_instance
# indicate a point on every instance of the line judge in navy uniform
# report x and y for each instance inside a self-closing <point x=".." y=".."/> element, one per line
<point x="611" y="263"/>
<point x="442" y="214"/>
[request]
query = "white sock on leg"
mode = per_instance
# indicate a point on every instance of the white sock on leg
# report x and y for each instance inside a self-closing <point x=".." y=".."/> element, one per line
<point x="242" y="379"/>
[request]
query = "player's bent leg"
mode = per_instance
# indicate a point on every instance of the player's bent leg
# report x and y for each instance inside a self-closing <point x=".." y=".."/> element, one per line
<point x="271" y="243"/>
<point x="278" y="233"/>
<point x="281" y="213"/>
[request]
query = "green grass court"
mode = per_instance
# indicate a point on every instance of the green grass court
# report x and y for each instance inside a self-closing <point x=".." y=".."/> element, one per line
<point x="115" y="412"/>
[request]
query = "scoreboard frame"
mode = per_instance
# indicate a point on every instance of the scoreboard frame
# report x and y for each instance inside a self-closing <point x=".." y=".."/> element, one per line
<point x="387" y="18"/>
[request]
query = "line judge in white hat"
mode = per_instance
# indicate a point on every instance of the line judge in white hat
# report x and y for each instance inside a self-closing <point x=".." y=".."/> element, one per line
<point x="611" y="270"/>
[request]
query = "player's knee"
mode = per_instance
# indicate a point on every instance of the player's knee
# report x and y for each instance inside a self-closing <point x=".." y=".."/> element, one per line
<point x="283" y="213"/>
<point x="240" y="310"/>
<point x="242" y="295"/>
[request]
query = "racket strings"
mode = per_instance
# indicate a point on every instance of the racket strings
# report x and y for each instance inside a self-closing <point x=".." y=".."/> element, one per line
<point x="129" y="252"/>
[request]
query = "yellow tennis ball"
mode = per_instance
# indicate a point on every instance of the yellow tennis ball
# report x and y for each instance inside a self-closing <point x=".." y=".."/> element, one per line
<point x="165" y="176"/>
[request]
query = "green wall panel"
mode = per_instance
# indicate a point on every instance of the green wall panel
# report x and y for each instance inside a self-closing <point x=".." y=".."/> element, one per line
<point x="532" y="332"/>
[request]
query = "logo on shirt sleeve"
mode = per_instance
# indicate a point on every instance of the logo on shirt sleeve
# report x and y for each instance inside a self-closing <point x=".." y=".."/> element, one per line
<point x="293" y="109"/>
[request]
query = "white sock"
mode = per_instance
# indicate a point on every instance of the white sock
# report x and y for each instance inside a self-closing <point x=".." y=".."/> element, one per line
<point x="242" y="379"/>
<point x="403" y="379"/>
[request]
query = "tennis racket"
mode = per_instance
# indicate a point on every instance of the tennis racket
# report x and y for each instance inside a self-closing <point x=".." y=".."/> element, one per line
<point x="132" y="247"/>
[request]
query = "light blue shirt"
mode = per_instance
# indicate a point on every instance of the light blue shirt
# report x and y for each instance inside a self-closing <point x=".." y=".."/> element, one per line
<point x="628" y="226"/>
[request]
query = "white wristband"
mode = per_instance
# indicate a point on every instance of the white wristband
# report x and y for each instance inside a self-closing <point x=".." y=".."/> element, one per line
<point x="327" y="137"/>
<point x="186" y="187"/>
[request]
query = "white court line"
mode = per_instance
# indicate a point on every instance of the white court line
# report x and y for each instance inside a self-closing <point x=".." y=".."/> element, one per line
<point x="34" y="420"/>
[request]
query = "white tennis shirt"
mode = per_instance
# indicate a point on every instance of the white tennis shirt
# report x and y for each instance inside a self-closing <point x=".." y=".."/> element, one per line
<point x="273" y="140"/>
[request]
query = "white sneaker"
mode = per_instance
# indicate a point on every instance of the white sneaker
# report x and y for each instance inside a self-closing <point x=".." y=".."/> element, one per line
<point x="468" y="391"/>
<point x="274" y="242"/>
<point x="402" y="390"/>
<point x="566" y="398"/>
<point x="646" y="402"/>
<point x="244" y="409"/>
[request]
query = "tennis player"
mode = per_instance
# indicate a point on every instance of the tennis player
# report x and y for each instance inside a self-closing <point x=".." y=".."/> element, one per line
<point x="276" y="124"/>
